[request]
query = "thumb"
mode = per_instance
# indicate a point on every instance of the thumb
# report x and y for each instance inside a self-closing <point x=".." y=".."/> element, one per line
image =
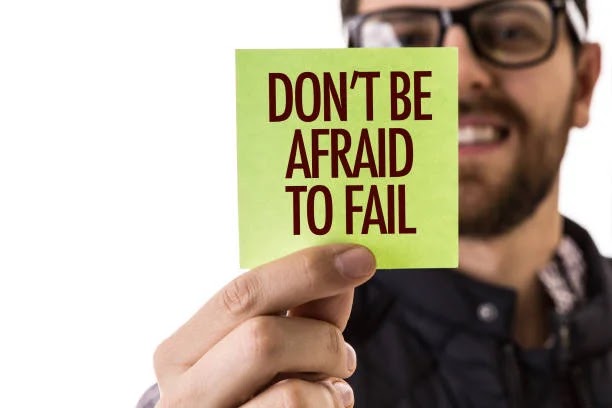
<point x="337" y="309"/>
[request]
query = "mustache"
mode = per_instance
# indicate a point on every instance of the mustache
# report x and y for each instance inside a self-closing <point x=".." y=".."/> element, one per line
<point x="487" y="103"/>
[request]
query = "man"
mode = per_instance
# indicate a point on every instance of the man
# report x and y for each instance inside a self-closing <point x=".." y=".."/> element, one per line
<point x="527" y="319"/>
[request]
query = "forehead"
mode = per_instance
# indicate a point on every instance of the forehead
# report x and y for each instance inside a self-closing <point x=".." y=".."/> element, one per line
<point x="372" y="5"/>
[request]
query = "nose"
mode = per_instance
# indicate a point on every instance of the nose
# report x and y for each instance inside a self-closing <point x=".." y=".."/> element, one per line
<point x="473" y="76"/>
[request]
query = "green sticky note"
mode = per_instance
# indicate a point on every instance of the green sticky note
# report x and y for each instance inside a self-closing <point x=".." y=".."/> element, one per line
<point x="348" y="145"/>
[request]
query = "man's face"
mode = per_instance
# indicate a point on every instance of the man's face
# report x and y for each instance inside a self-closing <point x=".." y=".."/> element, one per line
<point x="514" y="125"/>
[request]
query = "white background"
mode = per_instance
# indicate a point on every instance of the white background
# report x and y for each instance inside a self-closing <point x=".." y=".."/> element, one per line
<point x="117" y="178"/>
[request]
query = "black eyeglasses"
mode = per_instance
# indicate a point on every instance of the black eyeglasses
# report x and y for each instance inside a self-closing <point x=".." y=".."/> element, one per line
<point x="509" y="33"/>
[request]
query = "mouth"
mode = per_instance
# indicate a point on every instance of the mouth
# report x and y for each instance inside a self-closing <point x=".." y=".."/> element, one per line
<point x="483" y="135"/>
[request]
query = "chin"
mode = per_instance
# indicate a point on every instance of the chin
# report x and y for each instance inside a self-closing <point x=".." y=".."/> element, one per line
<point x="489" y="212"/>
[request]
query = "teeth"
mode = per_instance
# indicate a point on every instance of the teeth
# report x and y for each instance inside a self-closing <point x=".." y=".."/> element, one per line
<point x="478" y="134"/>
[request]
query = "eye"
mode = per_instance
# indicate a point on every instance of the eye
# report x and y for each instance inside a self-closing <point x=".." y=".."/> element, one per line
<point x="414" y="38"/>
<point x="514" y="25"/>
<point x="514" y="32"/>
<point x="512" y="36"/>
<point x="421" y="32"/>
<point x="404" y="28"/>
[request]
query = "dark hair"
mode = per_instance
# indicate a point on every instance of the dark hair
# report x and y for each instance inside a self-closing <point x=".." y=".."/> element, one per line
<point x="349" y="8"/>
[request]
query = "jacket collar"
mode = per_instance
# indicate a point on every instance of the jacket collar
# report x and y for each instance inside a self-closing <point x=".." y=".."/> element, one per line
<point x="459" y="300"/>
<point x="591" y="325"/>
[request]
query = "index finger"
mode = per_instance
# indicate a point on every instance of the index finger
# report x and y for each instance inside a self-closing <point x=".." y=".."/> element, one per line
<point x="305" y="276"/>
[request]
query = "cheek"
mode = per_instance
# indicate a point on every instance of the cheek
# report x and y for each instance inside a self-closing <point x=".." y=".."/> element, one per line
<point x="542" y="94"/>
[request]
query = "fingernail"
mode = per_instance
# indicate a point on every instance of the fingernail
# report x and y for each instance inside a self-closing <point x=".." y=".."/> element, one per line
<point x="346" y="393"/>
<point x="351" y="358"/>
<point x="355" y="263"/>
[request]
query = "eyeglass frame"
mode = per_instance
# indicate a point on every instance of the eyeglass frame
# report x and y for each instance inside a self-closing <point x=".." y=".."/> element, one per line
<point x="448" y="17"/>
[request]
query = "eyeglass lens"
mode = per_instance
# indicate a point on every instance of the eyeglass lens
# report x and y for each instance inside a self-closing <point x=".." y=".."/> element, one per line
<point x="510" y="32"/>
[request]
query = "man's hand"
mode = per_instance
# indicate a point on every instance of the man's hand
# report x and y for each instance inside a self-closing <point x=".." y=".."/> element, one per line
<point x="240" y="350"/>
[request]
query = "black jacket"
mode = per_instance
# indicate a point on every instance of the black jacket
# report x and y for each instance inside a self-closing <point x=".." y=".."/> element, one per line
<point x="422" y="340"/>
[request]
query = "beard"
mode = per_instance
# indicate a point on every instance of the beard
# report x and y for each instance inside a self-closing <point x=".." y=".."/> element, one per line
<point x="489" y="207"/>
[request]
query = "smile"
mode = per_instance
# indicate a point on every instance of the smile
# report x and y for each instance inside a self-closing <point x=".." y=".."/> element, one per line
<point x="473" y="135"/>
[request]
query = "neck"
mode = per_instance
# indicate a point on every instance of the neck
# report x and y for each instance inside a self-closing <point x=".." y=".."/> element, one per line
<point x="513" y="260"/>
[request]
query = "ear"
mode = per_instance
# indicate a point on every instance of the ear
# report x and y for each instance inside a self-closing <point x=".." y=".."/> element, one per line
<point x="587" y="73"/>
